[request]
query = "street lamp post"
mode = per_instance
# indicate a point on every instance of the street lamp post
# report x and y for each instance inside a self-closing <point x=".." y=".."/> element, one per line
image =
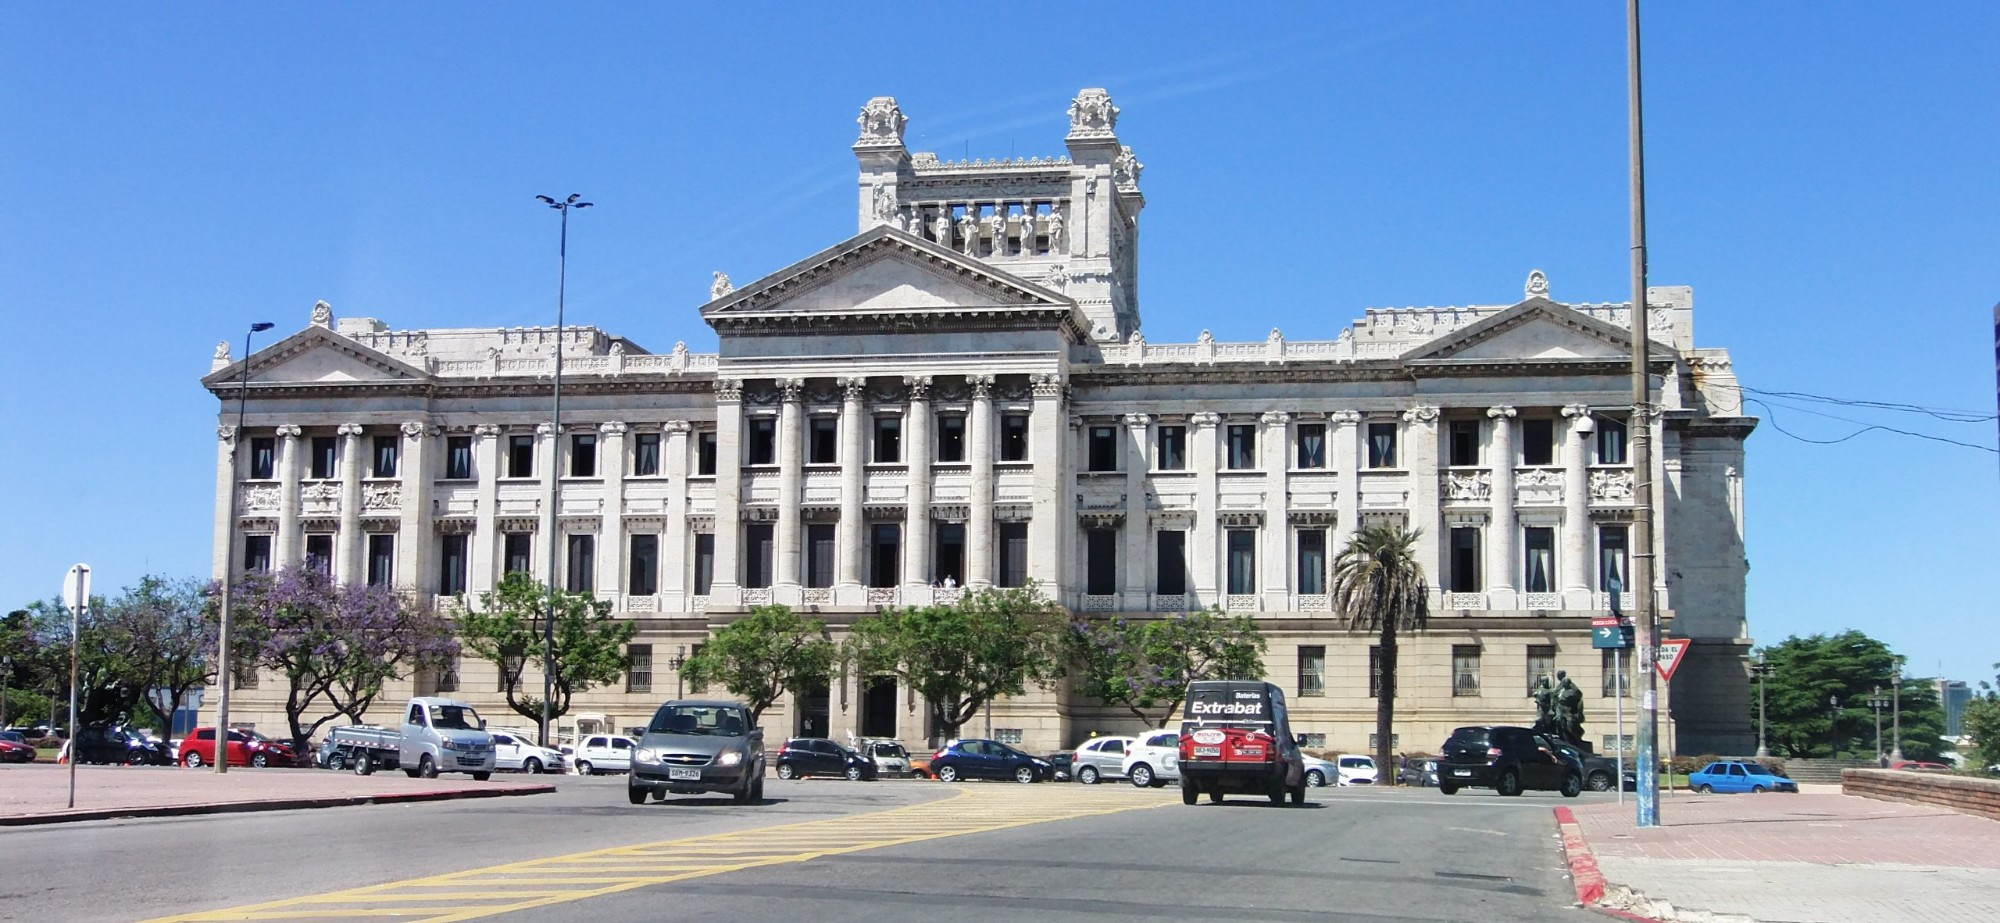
<point x="555" y="453"/>
<point x="222" y="666"/>
<point x="1833" y="725"/>
<point x="1896" y="704"/>
<point x="1762" y="669"/>
<point x="1876" y="700"/>
<point x="6" y="674"/>
<point x="680" y="659"/>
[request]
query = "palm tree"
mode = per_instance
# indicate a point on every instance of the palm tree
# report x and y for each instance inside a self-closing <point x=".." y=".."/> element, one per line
<point x="1378" y="585"/>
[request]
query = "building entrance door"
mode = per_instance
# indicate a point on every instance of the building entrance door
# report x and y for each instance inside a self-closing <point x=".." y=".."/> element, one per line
<point x="813" y="713"/>
<point x="878" y="708"/>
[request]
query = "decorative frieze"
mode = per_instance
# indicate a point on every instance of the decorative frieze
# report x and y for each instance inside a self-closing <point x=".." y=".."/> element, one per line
<point x="1611" y="486"/>
<point x="1466" y="485"/>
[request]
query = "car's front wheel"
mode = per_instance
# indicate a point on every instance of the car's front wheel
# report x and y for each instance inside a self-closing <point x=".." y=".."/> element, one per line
<point x="1704" y="790"/>
<point x="787" y="772"/>
<point x="1572" y="785"/>
<point x="1315" y="778"/>
<point x="947" y="773"/>
<point x="1087" y="775"/>
<point x="532" y="766"/>
<point x="1756" y="789"/>
<point x="336" y="762"/>
<point x="426" y="767"/>
<point x="635" y="794"/>
<point x="583" y="768"/>
<point x="1141" y="776"/>
<point x="1024" y="774"/>
<point x="260" y="761"/>
<point x="853" y="773"/>
<point x="192" y="761"/>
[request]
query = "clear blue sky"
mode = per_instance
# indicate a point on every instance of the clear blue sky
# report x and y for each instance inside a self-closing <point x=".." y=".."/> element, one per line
<point x="1822" y="174"/>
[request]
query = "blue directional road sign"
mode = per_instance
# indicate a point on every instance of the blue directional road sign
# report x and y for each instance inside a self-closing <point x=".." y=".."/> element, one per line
<point x="1610" y="633"/>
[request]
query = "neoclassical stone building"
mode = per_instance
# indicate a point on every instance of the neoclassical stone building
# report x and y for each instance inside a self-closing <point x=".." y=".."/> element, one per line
<point x="960" y="395"/>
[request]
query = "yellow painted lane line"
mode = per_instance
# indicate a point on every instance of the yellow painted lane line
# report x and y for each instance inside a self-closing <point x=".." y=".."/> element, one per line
<point x="529" y="884"/>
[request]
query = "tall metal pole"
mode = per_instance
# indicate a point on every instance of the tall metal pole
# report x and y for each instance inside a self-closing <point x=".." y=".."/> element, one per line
<point x="223" y="677"/>
<point x="1618" y="687"/>
<point x="76" y="592"/>
<point x="554" y="475"/>
<point x="1761" y="669"/>
<point x="1876" y="700"/>
<point x="1897" y="705"/>
<point x="1648" y="629"/>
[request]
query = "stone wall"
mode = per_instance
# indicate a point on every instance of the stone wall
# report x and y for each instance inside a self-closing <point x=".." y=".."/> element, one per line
<point x="1960" y="793"/>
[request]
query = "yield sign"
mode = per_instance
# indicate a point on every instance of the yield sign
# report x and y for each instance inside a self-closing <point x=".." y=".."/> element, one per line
<point x="1670" y="654"/>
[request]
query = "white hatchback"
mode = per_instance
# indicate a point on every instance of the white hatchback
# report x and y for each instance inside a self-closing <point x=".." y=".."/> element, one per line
<point x="1154" y="759"/>
<point x="516" y="750"/>
<point x="603" y="753"/>
<point x="1099" y="758"/>
<point x="1356" y="770"/>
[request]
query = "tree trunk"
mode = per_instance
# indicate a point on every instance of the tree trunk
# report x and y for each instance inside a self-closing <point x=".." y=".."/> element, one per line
<point x="1385" y="704"/>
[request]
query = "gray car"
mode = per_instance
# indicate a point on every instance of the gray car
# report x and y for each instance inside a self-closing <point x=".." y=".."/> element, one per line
<point x="694" y="747"/>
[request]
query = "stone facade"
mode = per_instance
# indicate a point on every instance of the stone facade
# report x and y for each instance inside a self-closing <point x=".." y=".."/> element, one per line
<point x="961" y="396"/>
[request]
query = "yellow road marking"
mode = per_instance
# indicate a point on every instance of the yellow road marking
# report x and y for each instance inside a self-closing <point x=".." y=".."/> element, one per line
<point x="516" y="886"/>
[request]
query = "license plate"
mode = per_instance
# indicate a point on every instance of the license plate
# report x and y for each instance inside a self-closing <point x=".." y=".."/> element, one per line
<point x="690" y="775"/>
<point x="1461" y="772"/>
<point x="1250" y="751"/>
<point x="1208" y="751"/>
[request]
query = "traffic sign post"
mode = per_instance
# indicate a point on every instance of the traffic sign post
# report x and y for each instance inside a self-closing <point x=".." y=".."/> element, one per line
<point x="1670" y="654"/>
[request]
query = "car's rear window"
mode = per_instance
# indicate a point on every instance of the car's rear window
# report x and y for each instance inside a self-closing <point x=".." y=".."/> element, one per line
<point x="1471" y="737"/>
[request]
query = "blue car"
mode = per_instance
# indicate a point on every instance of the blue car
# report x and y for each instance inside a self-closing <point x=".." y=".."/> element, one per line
<point x="1733" y="777"/>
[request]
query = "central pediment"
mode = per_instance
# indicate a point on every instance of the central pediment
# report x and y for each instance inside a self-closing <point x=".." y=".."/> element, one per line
<point x="1535" y="329"/>
<point x="885" y="278"/>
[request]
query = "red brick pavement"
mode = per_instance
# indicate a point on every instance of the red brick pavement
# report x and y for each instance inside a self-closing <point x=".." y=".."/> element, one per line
<point x="38" y="792"/>
<point x="1819" y="829"/>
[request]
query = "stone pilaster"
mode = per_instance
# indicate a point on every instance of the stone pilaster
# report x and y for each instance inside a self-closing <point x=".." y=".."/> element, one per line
<point x="1345" y="439"/>
<point x="1273" y="449"/>
<point x="413" y="516"/>
<point x="224" y="563"/>
<point x="1208" y="561"/>
<point x="726" y="589"/>
<point x="979" y="526"/>
<point x="1574" y="564"/>
<point x="482" y="571"/>
<point x="791" y="489"/>
<point x="917" y="455"/>
<point x="853" y="535"/>
<point x="348" y="550"/>
<point x="550" y="471"/>
<point x="1138" y="523"/>
<point x="286" y="551"/>
<point x="1046" y="525"/>
<point x="677" y="542"/>
<point x="1503" y="535"/>
<point x="613" y="545"/>
<point x="1420" y="429"/>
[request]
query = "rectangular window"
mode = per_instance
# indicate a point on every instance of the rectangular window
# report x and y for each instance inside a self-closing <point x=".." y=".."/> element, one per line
<point x="759" y="556"/>
<point x="256" y="554"/>
<point x="1014" y="437"/>
<point x="1312" y="445"/>
<point x="1464" y="574"/>
<point x="1104" y="448"/>
<point x="583" y="455"/>
<point x="1100" y="561"/>
<point x="1541" y="662"/>
<point x="1313" y="741"/>
<point x="948" y="554"/>
<point x="1312" y="671"/>
<point x="888" y="440"/>
<point x="319" y="553"/>
<point x="520" y="456"/>
<point x="385" y="456"/>
<point x="1170" y="567"/>
<point x="885" y="545"/>
<point x="1242" y="445"/>
<point x="1172" y="455"/>
<point x="646" y="455"/>
<point x="638" y="668"/>
<point x="1312" y="562"/>
<point x="644" y="562"/>
<point x="762" y="445"/>
<point x="246" y="678"/>
<point x="704" y="452"/>
<point x="510" y="671"/>
<point x="582" y="563"/>
<point x="951" y="438"/>
<point x="1374" y="671"/>
<point x="1463" y="436"/>
<point x="325" y="455"/>
<point x="453" y="564"/>
<point x="447" y="675"/>
<point x="519" y="556"/>
<point x="1538" y="441"/>
<point x="1610" y="442"/>
<point x="704" y="562"/>
<point x="1611" y="572"/>
<point x="1465" y="670"/>
<point x="1242" y="561"/>
<point x="458" y="458"/>
<point x="823" y="443"/>
<point x="1539" y="575"/>
<point x="263" y="458"/>
<point x="1009" y="736"/>
<point x="819" y="554"/>
<point x="381" y="560"/>
<point x="1395" y="741"/>
<point x="1013" y="554"/>
<point x="1381" y="445"/>
<point x="1615" y="663"/>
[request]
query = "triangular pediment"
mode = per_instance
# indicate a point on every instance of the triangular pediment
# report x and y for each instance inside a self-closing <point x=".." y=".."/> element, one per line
<point x="1535" y="329"/>
<point x="320" y="356"/>
<point x="884" y="273"/>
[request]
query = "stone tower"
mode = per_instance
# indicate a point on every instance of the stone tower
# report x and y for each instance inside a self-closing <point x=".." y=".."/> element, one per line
<point x="1070" y="224"/>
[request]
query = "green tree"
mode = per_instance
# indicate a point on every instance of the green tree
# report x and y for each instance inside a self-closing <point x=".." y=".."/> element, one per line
<point x="762" y="656"/>
<point x="1810" y="674"/>
<point x="1982" y="723"/>
<point x="1145" y="665"/>
<point x="960" y="657"/>
<point x="1378" y="585"/>
<point x="507" y="630"/>
<point x="165" y="631"/>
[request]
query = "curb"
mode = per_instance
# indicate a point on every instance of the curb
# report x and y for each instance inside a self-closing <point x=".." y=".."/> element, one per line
<point x="277" y="804"/>
<point x="1583" y="870"/>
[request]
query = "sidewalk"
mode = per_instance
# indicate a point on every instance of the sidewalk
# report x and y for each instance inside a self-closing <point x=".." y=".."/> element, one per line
<point x="1777" y="858"/>
<point x="36" y="793"/>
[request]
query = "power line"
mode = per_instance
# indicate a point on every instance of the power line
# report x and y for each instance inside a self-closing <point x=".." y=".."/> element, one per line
<point x="1865" y="428"/>
<point x="1942" y="413"/>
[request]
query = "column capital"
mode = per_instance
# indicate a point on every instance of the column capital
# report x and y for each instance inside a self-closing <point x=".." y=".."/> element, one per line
<point x="1047" y="385"/>
<point x="791" y="390"/>
<point x="290" y="430"/>
<point x="1075" y="422"/>
<point x="349" y="429"/>
<point x="729" y="390"/>
<point x="1138" y="420"/>
<point x="226" y="433"/>
<point x="1422" y="413"/>
<point x="545" y="429"/>
<point x="416" y="428"/>
<point x="852" y="389"/>
<point x="1276" y="417"/>
<point x="1204" y="420"/>
<point x="919" y="387"/>
<point x="612" y="428"/>
<point x="1576" y="411"/>
<point x="1344" y="417"/>
<point x="982" y="386"/>
<point x="677" y="426"/>
<point x="1500" y="412"/>
<point x="486" y="429"/>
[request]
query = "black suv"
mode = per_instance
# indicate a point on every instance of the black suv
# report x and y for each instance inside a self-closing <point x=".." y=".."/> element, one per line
<point x="1508" y="760"/>
<point x="818" y="756"/>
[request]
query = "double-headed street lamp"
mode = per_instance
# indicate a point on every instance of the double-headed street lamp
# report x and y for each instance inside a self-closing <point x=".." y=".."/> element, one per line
<point x="1876" y="700"/>
<point x="222" y="665"/>
<point x="1762" y="670"/>
<point x="555" y="453"/>
<point x="1833" y="725"/>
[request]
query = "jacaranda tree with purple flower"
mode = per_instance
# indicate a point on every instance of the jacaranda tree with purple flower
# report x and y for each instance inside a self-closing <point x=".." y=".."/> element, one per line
<point x="1145" y="665"/>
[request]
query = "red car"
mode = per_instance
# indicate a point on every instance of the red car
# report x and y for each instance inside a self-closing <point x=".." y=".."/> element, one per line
<point x="246" y="748"/>
<point x="13" y="749"/>
<point x="1919" y="766"/>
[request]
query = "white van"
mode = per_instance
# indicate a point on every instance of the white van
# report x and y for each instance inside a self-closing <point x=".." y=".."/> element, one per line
<point x="444" y="735"/>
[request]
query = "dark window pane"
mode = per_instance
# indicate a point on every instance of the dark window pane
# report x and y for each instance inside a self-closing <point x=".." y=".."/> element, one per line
<point x="704" y="452"/>
<point x="1611" y="559"/>
<point x="520" y="553"/>
<point x="819" y="554"/>
<point x="644" y="563"/>
<point x="256" y="554"/>
<point x="1104" y="448"/>
<point x="1242" y="443"/>
<point x="1540" y="552"/>
<point x="582" y="563"/>
<point x="458" y="457"/>
<point x="704" y="562"/>
<point x="452" y="564"/>
<point x="884" y="553"/>
<point x="385" y="456"/>
<point x="583" y="456"/>
<point x="1381" y="445"/>
<point x="263" y="457"/>
<point x="825" y="441"/>
<point x="1014" y="437"/>
<point x="1312" y="445"/>
<point x="1173" y="448"/>
<point x="1610" y="442"/>
<point x="1101" y="562"/>
<point x="1464" y="438"/>
<point x="646" y="455"/>
<point x="520" y="456"/>
<point x="1242" y="561"/>
<point x="1172" y="563"/>
<point x="1312" y="562"/>
<point x="888" y="440"/>
<point x="1464" y="574"/>
<point x="948" y="554"/>
<point x="319" y="553"/>
<point x="758" y="554"/>
<point x="763" y="441"/>
<point x="381" y="560"/>
<point x="324" y="454"/>
<point x="951" y="438"/>
<point x="1013" y="554"/>
<point x="1538" y="442"/>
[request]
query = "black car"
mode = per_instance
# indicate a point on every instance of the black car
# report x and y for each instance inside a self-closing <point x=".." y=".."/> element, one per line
<point x="1419" y="771"/>
<point x="818" y="756"/>
<point x="1508" y="760"/>
<point x="1059" y="764"/>
<point x="113" y="744"/>
<point x="1598" y="771"/>
<point x="987" y="759"/>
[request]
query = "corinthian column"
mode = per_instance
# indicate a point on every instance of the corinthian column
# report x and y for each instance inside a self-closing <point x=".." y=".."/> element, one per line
<point x="347" y="560"/>
<point x="1573" y="565"/>
<point x="287" y="550"/>
<point x="853" y="485"/>
<point x="917" y="454"/>
<point x="791" y="487"/>
<point x="979" y="527"/>
<point x="1502" y="561"/>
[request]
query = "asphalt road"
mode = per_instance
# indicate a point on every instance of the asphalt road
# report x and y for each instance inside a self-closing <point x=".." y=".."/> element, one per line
<point x="828" y="851"/>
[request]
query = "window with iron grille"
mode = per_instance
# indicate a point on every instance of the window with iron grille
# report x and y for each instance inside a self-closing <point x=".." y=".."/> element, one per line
<point x="1312" y="670"/>
<point x="1541" y="662"/>
<point x="638" y="668"/>
<point x="1465" y="670"/>
<point x="1615" y="662"/>
<point x="447" y="675"/>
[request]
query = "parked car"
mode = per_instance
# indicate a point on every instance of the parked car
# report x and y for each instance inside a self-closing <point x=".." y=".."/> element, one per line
<point x="603" y="753"/>
<point x="892" y="759"/>
<point x="14" y="748"/>
<point x="1737" y="776"/>
<point x="1508" y="760"/>
<point x="697" y="746"/>
<point x="1236" y="738"/>
<point x="1417" y="771"/>
<point x="114" y="744"/>
<point x="245" y="748"/>
<point x="1060" y="762"/>
<point x="1356" y="770"/>
<point x="1154" y="760"/>
<point x="1319" y="772"/>
<point x="1919" y="766"/>
<point x="1099" y="758"/>
<point x="987" y="759"/>
<point x="517" y="751"/>
<point x="444" y="735"/>
<point x="920" y="766"/>
<point x="1598" y="771"/>
<point x="800" y="757"/>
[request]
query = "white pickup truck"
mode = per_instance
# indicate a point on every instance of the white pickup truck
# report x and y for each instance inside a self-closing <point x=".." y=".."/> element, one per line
<point x="438" y="735"/>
